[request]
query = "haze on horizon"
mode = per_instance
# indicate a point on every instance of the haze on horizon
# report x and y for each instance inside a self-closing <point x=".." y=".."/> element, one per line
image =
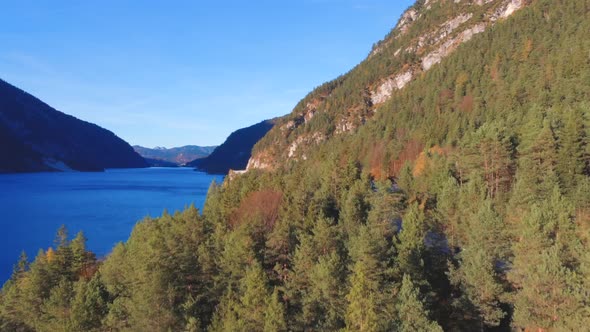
<point x="190" y="73"/>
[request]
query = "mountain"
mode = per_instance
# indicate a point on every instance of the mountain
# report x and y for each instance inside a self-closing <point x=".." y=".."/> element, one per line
<point x="176" y="156"/>
<point x="235" y="152"/>
<point x="425" y="35"/>
<point x="36" y="137"/>
<point x="160" y="163"/>
<point x="443" y="184"/>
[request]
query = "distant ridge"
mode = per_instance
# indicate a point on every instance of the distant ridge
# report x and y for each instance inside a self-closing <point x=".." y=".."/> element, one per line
<point x="161" y="156"/>
<point x="235" y="151"/>
<point x="35" y="137"/>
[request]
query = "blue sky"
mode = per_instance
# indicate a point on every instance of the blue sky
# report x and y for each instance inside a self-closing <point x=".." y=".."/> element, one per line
<point x="171" y="73"/>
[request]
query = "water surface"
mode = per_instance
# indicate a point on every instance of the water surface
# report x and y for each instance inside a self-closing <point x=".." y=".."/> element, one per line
<point x="104" y="205"/>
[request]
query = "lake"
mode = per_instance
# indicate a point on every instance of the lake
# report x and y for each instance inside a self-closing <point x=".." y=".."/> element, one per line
<point x="104" y="205"/>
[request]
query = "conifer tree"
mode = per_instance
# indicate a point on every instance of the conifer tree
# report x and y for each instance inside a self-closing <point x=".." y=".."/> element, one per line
<point x="488" y="154"/>
<point x="274" y="315"/>
<point x="89" y="305"/>
<point x="356" y="207"/>
<point x="572" y="159"/>
<point x="251" y="311"/>
<point x="278" y="252"/>
<point x="323" y="304"/>
<point x="56" y="314"/>
<point x="405" y="180"/>
<point x="363" y="305"/>
<point x="478" y="274"/>
<point x="226" y="317"/>
<point x="411" y="312"/>
<point x="536" y="176"/>
<point x="298" y="283"/>
<point x="370" y="298"/>
<point x="543" y="271"/>
<point x="410" y="246"/>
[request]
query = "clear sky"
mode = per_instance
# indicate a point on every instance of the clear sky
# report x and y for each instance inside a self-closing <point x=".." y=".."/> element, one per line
<point x="171" y="73"/>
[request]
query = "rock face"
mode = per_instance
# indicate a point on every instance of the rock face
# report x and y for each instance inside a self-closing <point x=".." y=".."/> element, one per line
<point x="407" y="18"/>
<point x="303" y="140"/>
<point x="235" y="152"/>
<point x="179" y="156"/>
<point x="35" y="137"/>
<point x="450" y="45"/>
<point x="443" y="39"/>
<point x="511" y="7"/>
<point x="384" y="91"/>
<point x="425" y="35"/>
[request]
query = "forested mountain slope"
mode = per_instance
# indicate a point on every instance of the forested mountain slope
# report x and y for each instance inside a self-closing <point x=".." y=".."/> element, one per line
<point x="36" y="137"/>
<point x="462" y="204"/>
<point x="235" y="152"/>
<point x="426" y="34"/>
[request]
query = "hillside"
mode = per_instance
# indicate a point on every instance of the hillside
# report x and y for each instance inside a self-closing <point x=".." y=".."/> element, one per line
<point x="173" y="156"/>
<point x="425" y="35"/>
<point x="36" y="137"/>
<point x="459" y="201"/>
<point x="160" y="163"/>
<point x="235" y="152"/>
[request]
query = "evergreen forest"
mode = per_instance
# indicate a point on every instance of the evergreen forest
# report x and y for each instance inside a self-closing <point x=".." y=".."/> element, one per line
<point x="462" y="204"/>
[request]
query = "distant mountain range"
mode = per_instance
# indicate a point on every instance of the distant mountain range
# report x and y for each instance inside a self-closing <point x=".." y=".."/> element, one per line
<point x="36" y="137"/>
<point x="235" y="152"/>
<point x="160" y="156"/>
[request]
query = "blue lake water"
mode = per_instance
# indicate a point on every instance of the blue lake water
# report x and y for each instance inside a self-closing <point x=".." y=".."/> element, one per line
<point x="105" y="206"/>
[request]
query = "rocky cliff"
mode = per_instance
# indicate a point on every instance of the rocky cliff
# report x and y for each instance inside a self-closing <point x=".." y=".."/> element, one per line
<point x="427" y="33"/>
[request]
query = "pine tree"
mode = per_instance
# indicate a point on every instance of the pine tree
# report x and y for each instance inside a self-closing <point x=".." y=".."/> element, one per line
<point x="21" y="267"/>
<point x="274" y="315"/>
<point x="82" y="260"/>
<point x="571" y="161"/>
<point x="56" y="313"/>
<point x="297" y="284"/>
<point x="226" y="317"/>
<point x="363" y="305"/>
<point x="89" y="305"/>
<point x="13" y="307"/>
<point x="481" y="256"/>
<point x="410" y="246"/>
<point x="323" y="303"/>
<point x="36" y="289"/>
<point x="356" y="207"/>
<point x="251" y="311"/>
<point x="412" y="315"/>
<point x="278" y="252"/>
<point x="370" y="296"/>
<point x="536" y="176"/>
<point x="488" y="154"/>
<point x="543" y="270"/>
<point x="448" y="208"/>
<point x="405" y="180"/>
<point x="548" y="300"/>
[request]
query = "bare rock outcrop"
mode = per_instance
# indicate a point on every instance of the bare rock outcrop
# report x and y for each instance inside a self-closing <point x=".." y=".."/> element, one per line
<point x="385" y="90"/>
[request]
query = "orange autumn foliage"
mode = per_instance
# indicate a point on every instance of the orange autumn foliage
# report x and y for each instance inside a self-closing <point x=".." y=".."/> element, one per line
<point x="376" y="160"/>
<point x="467" y="104"/>
<point x="50" y="254"/>
<point x="410" y="152"/>
<point x="262" y="206"/>
<point x="424" y="158"/>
